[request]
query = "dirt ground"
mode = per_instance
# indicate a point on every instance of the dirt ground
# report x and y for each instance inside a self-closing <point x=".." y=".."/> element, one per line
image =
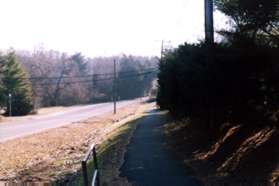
<point x="50" y="155"/>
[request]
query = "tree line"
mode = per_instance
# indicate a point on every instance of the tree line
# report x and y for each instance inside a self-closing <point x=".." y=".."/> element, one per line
<point x="44" y="78"/>
<point x="235" y="80"/>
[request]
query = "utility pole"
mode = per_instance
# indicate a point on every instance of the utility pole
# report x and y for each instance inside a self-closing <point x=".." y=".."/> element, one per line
<point x="209" y="25"/>
<point x="162" y="49"/>
<point x="114" y="87"/>
<point x="10" y="104"/>
<point x="165" y="46"/>
<point x="209" y="40"/>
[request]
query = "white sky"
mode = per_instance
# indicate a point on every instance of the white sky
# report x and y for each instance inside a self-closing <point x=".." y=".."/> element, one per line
<point x="100" y="27"/>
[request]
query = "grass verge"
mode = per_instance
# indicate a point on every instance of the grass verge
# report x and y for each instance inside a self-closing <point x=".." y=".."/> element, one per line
<point x="111" y="155"/>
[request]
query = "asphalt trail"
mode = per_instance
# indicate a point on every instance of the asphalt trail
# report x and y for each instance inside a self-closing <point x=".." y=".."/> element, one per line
<point x="148" y="162"/>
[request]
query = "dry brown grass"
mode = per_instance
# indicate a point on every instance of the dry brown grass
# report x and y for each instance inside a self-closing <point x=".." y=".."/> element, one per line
<point x="49" y="155"/>
<point x="252" y="142"/>
<point x="2" y="118"/>
<point x="216" y="147"/>
<point x="49" y="110"/>
<point x="238" y="154"/>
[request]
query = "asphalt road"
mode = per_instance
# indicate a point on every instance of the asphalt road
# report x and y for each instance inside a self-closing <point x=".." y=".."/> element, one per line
<point x="19" y="128"/>
<point x="148" y="162"/>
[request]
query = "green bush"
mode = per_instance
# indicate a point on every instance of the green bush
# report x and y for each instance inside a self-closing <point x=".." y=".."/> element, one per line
<point x="221" y="83"/>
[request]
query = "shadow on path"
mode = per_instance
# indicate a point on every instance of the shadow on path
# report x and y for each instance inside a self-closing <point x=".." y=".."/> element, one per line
<point x="147" y="160"/>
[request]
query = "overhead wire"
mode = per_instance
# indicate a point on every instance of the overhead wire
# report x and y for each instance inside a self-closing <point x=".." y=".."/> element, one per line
<point x="98" y="79"/>
<point x="87" y="76"/>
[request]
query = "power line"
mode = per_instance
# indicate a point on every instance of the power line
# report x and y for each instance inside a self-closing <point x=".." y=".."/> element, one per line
<point x="89" y="75"/>
<point x="86" y="81"/>
<point x="97" y="80"/>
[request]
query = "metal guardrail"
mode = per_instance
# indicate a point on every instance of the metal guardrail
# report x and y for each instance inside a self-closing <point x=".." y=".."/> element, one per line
<point x="91" y="153"/>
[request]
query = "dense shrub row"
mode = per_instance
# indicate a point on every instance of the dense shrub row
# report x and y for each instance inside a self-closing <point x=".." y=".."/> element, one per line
<point x="221" y="83"/>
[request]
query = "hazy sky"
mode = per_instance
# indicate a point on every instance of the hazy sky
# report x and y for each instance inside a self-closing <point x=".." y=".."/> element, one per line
<point x="100" y="27"/>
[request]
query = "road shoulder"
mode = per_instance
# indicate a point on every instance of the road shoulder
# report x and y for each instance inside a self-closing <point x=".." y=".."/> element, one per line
<point x="55" y="153"/>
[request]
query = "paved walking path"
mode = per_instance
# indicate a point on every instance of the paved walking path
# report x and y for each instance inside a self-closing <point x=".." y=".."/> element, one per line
<point x="148" y="162"/>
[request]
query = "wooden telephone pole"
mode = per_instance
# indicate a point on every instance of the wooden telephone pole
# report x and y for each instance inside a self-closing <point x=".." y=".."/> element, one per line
<point x="209" y="40"/>
<point x="209" y="25"/>
<point x="114" y="87"/>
